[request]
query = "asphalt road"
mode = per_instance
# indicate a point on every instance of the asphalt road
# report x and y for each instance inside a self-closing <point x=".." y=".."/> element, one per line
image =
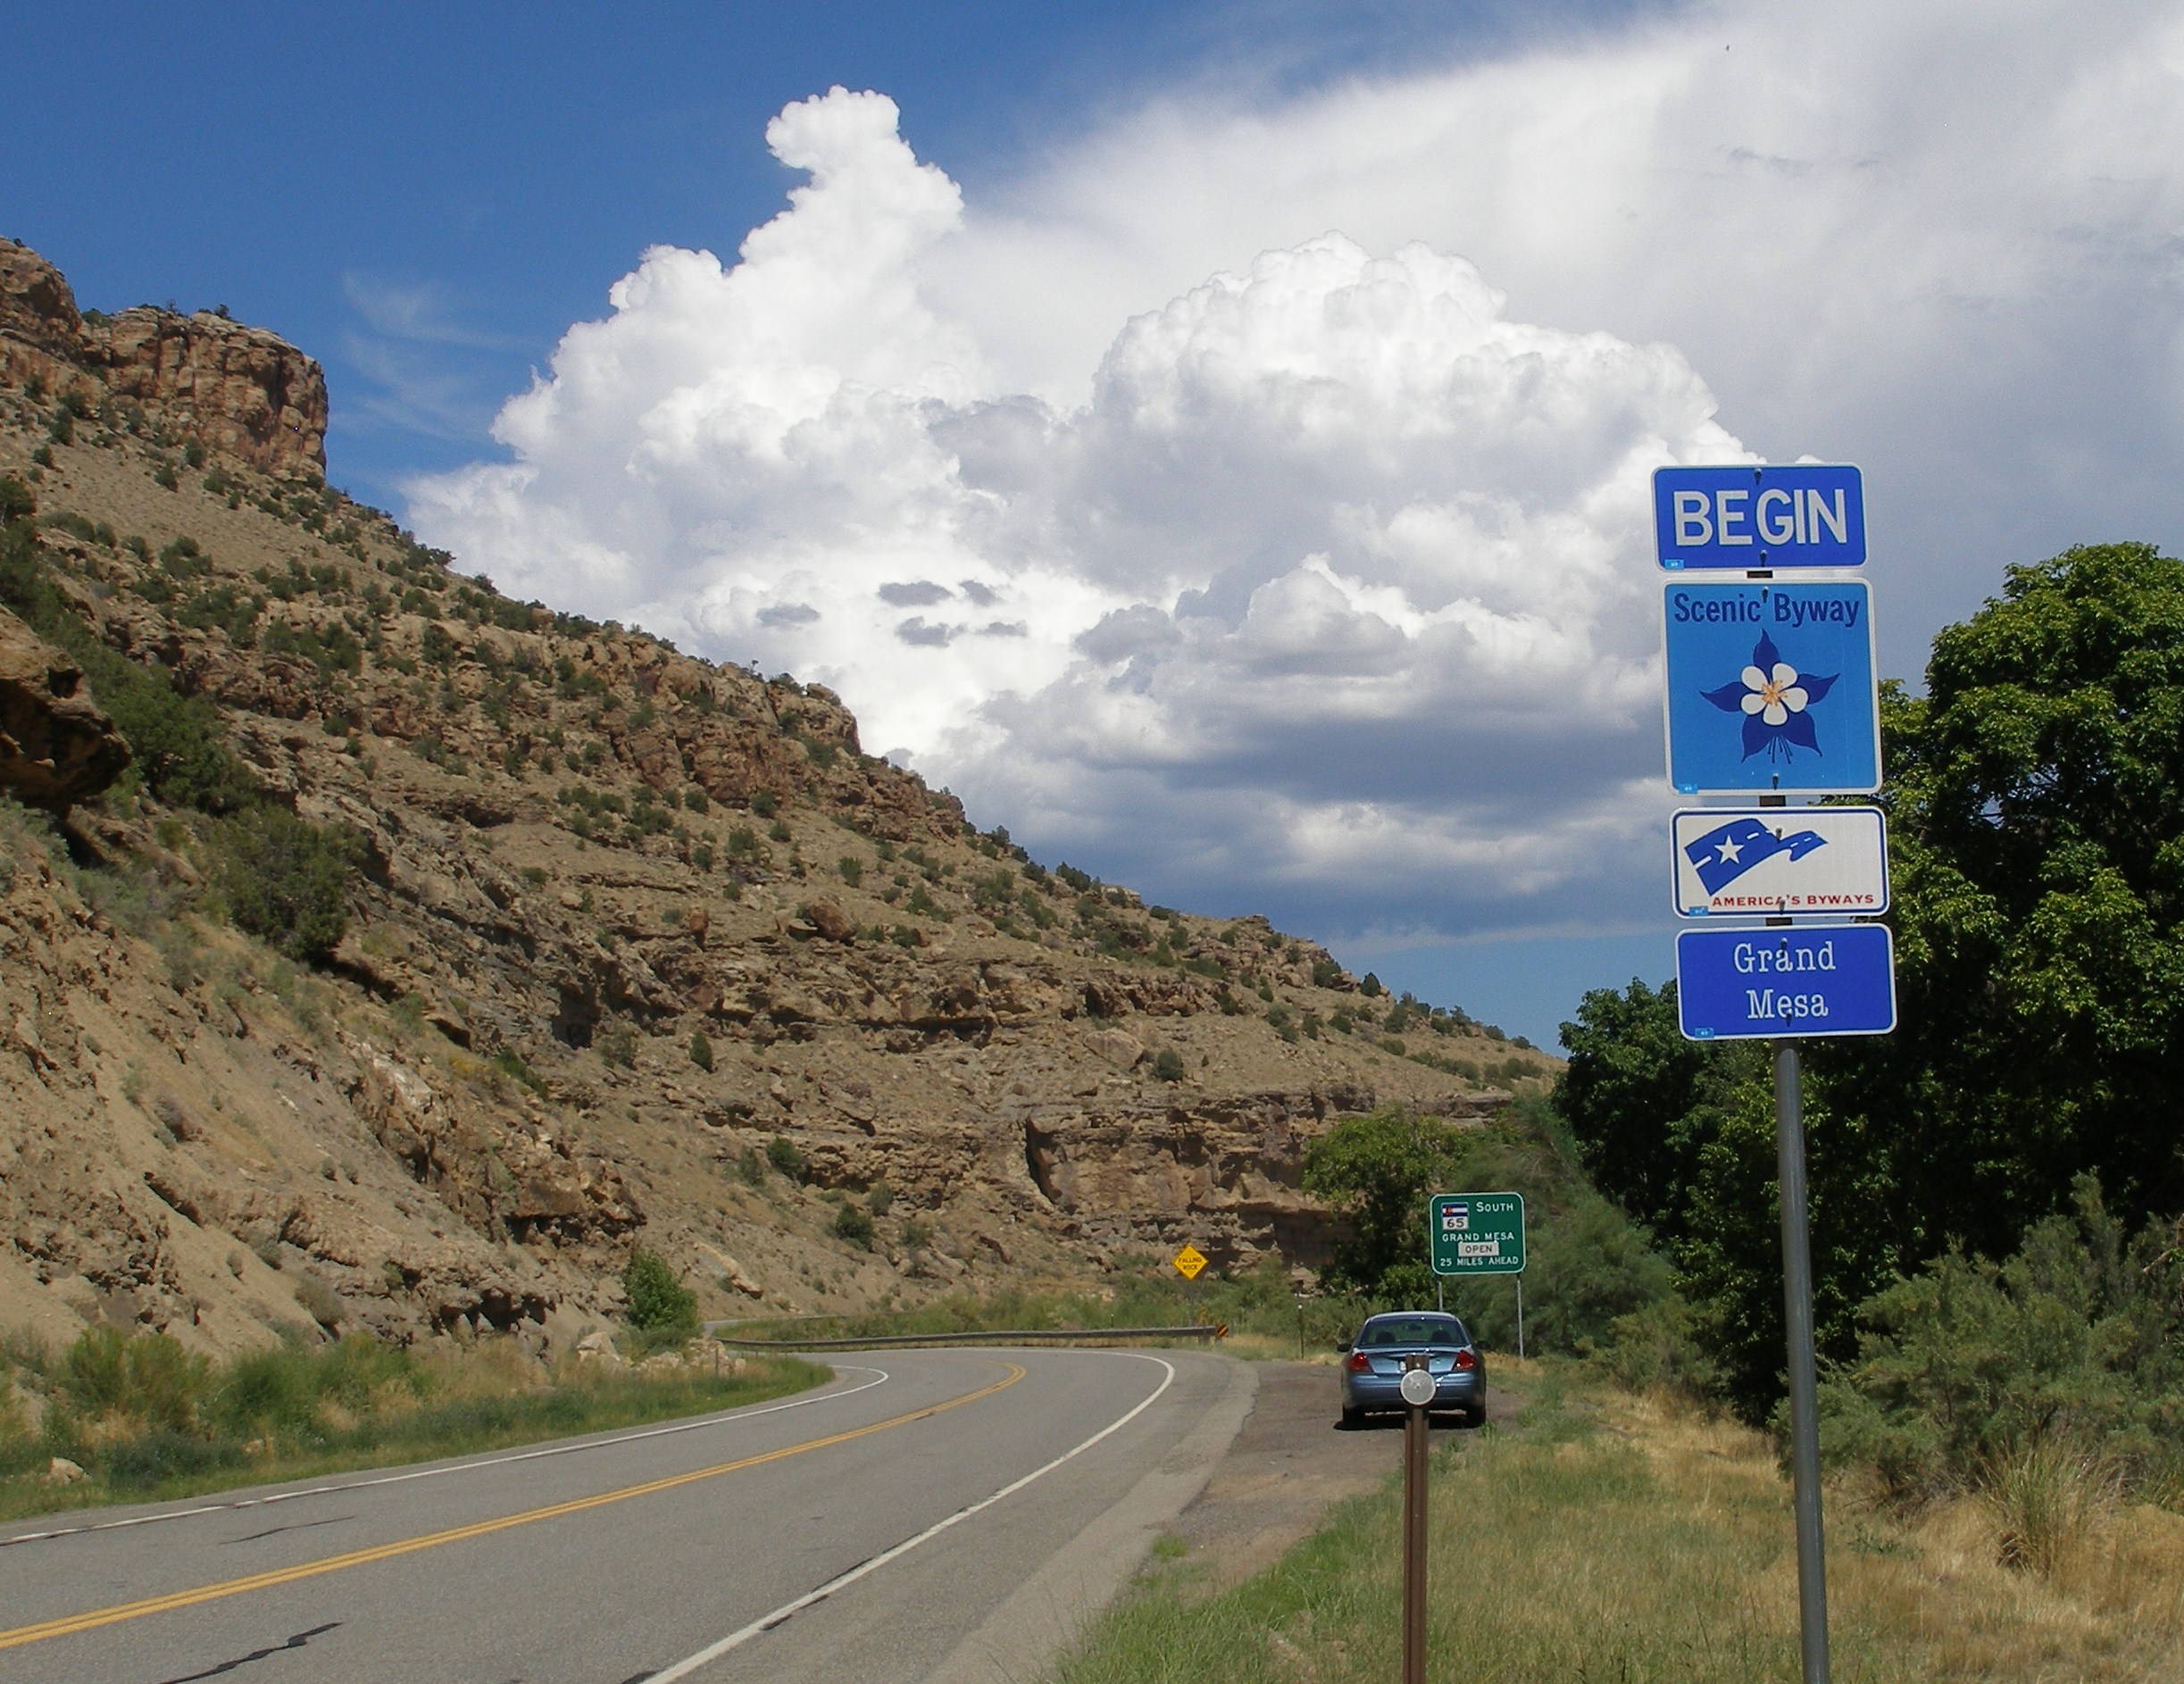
<point x="936" y="1515"/>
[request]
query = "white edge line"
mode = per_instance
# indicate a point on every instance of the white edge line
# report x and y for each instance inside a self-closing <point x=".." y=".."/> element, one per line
<point x="718" y="1419"/>
<point x="767" y="1621"/>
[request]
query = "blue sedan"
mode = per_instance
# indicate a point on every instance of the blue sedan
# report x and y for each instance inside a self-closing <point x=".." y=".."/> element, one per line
<point x="1372" y="1371"/>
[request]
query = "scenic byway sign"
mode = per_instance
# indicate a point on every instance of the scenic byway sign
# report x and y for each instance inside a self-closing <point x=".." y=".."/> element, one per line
<point x="1771" y="689"/>
<point x="1477" y="1233"/>
<point x="1751" y="862"/>
<point x="1801" y="515"/>
<point x="1735" y="984"/>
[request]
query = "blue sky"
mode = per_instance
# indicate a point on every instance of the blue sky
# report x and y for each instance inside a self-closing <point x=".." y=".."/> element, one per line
<point x="1251" y="402"/>
<point x="426" y="198"/>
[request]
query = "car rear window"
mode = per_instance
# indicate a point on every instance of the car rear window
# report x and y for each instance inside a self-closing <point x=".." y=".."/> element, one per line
<point x="1414" y="1330"/>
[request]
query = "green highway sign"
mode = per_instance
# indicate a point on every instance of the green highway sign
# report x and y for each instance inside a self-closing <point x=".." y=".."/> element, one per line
<point x="1476" y="1233"/>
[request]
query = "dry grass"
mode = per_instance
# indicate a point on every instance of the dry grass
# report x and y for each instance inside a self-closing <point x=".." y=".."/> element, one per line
<point x="1614" y="1537"/>
<point x="145" y="1420"/>
<point x="2045" y="1574"/>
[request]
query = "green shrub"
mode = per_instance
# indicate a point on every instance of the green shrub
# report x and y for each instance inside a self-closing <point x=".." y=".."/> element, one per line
<point x="285" y="880"/>
<point x="1656" y="1347"/>
<point x="1167" y="1065"/>
<point x="266" y="1391"/>
<point x="852" y="871"/>
<point x="659" y="1303"/>
<point x="880" y="1199"/>
<point x="1970" y="1369"/>
<point x="701" y="1050"/>
<point x="148" y="1378"/>
<point x="782" y="1154"/>
<point x="144" y="1418"/>
<point x="853" y="1225"/>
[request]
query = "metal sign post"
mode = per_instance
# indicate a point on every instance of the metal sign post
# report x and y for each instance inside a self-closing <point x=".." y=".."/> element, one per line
<point x="1418" y="1388"/>
<point x="1804" y="1381"/>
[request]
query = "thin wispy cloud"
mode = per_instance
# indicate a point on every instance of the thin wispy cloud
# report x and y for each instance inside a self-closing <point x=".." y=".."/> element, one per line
<point x="425" y="369"/>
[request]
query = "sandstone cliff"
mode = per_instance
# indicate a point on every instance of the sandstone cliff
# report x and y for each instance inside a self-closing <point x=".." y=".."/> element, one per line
<point x="639" y="948"/>
<point x="237" y="389"/>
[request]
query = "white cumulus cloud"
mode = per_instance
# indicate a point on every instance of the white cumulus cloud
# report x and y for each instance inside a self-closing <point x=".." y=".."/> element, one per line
<point x="1333" y="562"/>
<point x="1200" y="508"/>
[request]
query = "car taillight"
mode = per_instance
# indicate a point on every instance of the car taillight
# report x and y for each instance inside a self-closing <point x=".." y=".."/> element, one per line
<point x="1359" y="1362"/>
<point x="1466" y="1361"/>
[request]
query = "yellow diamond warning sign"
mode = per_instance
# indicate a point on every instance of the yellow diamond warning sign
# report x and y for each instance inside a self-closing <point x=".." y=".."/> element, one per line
<point x="1188" y="1262"/>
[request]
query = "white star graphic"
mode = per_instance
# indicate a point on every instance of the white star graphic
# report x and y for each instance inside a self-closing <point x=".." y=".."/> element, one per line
<point x="1729" y="851"/>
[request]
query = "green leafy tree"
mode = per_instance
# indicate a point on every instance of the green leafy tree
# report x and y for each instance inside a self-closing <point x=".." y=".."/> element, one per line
<point x="1375" y="1173"/>
<point x="659" y="1303"/>
<point x="1630" y="1081"/>
<point x="2036" y="830"/>
<point x="2036" y="803"/>
<point x="284" y="880"/>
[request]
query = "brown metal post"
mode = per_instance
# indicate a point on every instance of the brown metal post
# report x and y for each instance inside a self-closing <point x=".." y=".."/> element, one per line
<point x="1414" y="1542"/>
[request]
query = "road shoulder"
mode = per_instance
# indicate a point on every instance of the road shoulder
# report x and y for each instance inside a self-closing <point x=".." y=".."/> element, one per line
<point x="1044" y="1613"/>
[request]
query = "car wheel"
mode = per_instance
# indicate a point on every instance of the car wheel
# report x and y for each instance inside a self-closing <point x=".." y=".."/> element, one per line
<point x="1353" y="1418"/>
<point x="1476" y="1415"/>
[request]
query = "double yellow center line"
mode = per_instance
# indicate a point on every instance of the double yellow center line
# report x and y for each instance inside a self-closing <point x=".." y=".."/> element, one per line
<point x="97" y="1617"/>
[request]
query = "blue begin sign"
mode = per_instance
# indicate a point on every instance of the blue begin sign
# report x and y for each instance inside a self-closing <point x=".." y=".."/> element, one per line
<point x="1801" y="515"/>
<point x="1771" y="689"/>
<point x="1756" y="984"/>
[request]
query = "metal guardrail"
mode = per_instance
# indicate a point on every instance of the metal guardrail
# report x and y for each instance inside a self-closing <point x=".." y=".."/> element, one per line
<point x="1013" y="1336"/>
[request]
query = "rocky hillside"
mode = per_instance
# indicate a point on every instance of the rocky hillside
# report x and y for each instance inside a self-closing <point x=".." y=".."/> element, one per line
<point x="380" y="951"/>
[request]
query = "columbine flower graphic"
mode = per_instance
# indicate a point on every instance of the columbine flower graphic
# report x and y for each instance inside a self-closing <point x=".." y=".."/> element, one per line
<point x="1774" y="698"/>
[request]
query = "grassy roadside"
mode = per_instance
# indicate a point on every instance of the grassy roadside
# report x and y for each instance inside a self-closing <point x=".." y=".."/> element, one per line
<point x="1608" y="1536"/>
<point x="145" y="1421"/>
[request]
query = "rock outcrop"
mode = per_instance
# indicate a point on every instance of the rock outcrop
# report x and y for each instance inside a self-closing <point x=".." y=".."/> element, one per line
<point x="239" y="390"/>
<point x="56" y="747"/>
